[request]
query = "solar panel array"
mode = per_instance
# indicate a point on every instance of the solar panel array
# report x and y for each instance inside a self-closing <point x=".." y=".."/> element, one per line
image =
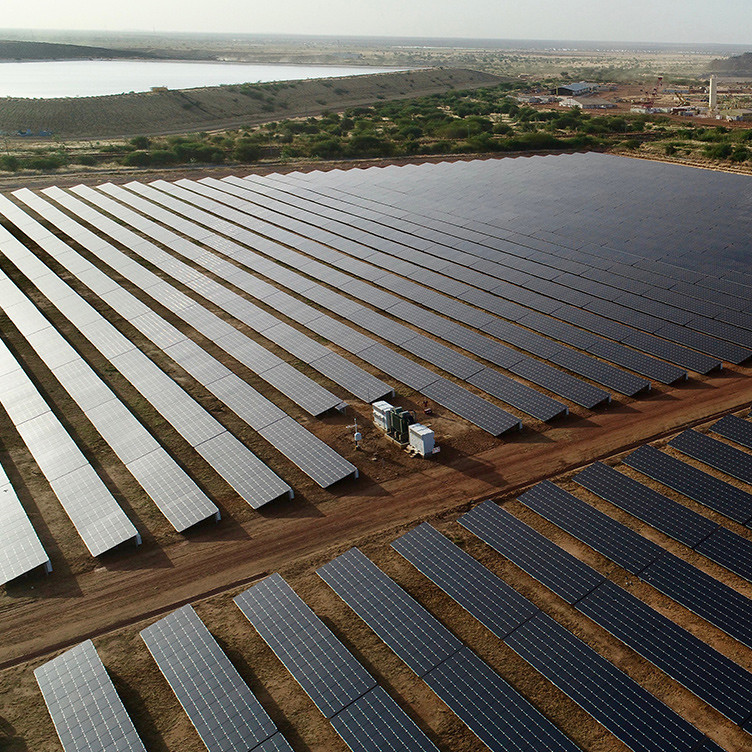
<point x="176" y="495"/>
<point x="84" y="705"/>
<point x="495" y="712"/>
<point x="343" y="335"/>
<point x="556" y="237"/>
<point x="94" y="512"/>
<point x="714" y="453"/>
<point x="698" y="485"/>
<point x="360" y="711"/>
<point x="706" y="672"/>
<point x="219" y="704"/>
<point x="313" y="456"/>
<point x="188" y="417"/>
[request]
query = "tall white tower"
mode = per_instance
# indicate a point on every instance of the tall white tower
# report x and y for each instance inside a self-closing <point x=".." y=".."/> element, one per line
<point x="713" y="94"/>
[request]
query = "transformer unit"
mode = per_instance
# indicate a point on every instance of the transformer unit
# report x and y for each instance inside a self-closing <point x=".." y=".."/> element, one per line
<point x="400" y="426"/>
<point x="422" y="440"/>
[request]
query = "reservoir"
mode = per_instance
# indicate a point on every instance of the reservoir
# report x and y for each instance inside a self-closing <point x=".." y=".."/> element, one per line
<point x="91" y="78"/>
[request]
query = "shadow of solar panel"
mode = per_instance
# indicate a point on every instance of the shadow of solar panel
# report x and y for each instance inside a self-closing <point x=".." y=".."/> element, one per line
<point x="712" y="676"/>
<point x="315" y="458"/>
<point x="84" y="705"/>
<point x="631" y="713"/>
<point x="597" y="530"/>
<point x="688" y="480"/>
<point x="558" y="570"/>
<point x="484" y="595"/>
<point x="219" y="704"/>
<point x="734" y="428"/>
<point x="728" y="459"/>
<point x="702" y="594"/>
<point x="375" y="723"/>
<point x="318" y="661"/>
<point x="475" y="409"/>
<point x="664" y="514"/>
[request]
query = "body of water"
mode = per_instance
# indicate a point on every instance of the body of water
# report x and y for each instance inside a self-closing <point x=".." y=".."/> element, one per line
<point x="91" y="78"/>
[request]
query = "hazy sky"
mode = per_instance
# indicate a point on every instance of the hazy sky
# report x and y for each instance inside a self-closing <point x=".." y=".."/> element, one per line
<point x="717" y="21"/>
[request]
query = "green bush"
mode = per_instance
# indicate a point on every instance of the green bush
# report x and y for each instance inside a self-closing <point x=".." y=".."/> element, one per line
<point x="9" y="163"/>
<point x="246" y="151"/>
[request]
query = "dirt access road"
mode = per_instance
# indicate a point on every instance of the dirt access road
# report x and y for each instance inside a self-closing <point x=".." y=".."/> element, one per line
<point x="145" y="584"/>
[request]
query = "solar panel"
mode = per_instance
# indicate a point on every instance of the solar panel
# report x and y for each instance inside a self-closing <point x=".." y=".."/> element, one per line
<point x="723" y="457"/>
<point x="664" y="514"/>
<point x="219" y="704"/>
<point x="518" y="395"/>
<point x="500" y="717"/>
<point x="734" y="428"/>
<point x="490" y="707"/>
<point x="488" y="598"/>
<point x="404" y="625"/>
<point x="619" y="703"/>
<point x="315" y="458"/>
<point x="253" y="481"/>
<point x="84" y="705"/>
<point x="702" y="594"/>
<point x="597" y="530"/>
<point x="558" y="570"/>
<point x="375" y="723"/>
<point x="475" y="409"/>
<point x="318" y="661"/>
<point x="22" y="550"/>
<point x="558" y="382"/>
<point x="709" y="674"/>
<point x="692" y="482"/>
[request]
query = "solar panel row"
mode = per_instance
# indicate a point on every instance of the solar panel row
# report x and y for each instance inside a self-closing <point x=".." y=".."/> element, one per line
<point x="360" y="711"/>
<point x="219" y="704"/>
<point x="497" y="419"/>
<point x="496" y="713"/>
<point x="84" y="705"/>
<point x="194" y="423"/>
<point x="172" y="490"/>
<point x="710" y="675"/>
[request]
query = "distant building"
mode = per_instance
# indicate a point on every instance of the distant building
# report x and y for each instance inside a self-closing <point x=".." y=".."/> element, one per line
<point x="587" y="103"/>
<point x="576" y="90"/>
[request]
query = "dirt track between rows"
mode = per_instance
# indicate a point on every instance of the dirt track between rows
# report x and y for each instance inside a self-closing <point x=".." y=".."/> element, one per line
<point x="147" y="583"/>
